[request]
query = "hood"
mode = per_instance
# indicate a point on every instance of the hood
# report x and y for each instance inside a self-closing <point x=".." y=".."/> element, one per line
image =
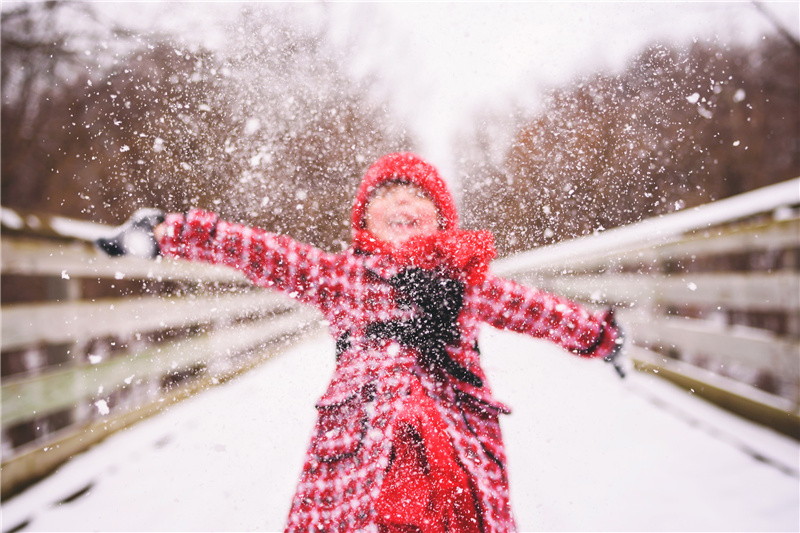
<point x="413" y="169"/>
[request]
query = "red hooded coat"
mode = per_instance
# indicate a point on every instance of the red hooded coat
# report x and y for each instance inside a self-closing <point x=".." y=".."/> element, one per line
<point x="399" y="444"/>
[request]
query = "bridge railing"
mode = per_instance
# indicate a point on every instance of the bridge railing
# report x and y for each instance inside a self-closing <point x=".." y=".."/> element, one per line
<point x="710" y="296"/>
<point x="91" y="344"/>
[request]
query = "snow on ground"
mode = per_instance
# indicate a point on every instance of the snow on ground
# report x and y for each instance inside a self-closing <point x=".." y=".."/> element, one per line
<point x="587" y="452"/>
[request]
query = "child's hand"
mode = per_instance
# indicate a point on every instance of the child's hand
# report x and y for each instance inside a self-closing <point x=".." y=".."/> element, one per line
<point x="136" y="237"/>
<point x="159" y="231"/>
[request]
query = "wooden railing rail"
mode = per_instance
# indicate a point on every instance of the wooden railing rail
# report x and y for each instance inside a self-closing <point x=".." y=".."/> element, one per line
<point x="710" y="298"/>
<point x="711" y="291"/>
<point x="77" y="321"/>
<point x="104" y="341"/>
<point x="610" y="247"/>
<point x="61" y="389"/>
<point x="748" y="291"/>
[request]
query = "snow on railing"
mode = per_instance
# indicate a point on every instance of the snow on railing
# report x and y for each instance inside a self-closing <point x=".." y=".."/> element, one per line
<point x="91" y="344"/>
<point x="781" y="200"/>
<point x="710" y="296"/>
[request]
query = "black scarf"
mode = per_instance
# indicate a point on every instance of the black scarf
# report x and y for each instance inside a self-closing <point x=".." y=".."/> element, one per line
<point x="439" y="299"/>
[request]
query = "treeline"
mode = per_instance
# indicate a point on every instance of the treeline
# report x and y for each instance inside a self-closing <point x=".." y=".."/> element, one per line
<point x="677" y="128"/>
<point x="268" y="131"/>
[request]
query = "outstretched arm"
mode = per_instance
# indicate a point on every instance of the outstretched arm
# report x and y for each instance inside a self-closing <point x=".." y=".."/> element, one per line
<point x="267" y="259"/>
<point x="506" y="304"/>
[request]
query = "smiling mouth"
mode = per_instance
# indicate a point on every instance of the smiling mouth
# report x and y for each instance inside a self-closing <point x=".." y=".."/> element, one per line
<point x="403" y="223"/>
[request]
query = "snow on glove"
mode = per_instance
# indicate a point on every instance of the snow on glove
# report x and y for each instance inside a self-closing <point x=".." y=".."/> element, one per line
<point x="135" y="237"/>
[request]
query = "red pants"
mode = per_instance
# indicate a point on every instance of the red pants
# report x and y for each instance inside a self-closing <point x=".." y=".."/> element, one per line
<point x="426" y="489"/>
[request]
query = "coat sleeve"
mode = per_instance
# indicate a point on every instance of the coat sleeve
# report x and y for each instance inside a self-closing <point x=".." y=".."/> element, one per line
<point x="267" y="259"/>
<point x="506" y="304"/>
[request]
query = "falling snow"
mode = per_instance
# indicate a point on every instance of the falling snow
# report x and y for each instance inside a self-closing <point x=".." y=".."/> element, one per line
<point x="269" y="114"/>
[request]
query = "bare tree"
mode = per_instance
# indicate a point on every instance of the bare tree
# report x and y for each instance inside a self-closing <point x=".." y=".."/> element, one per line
<point x="267" y="130"/>
<point x="677" y="128"/>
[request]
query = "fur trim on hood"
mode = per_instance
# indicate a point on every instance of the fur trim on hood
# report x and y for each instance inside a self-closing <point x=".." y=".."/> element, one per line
<point x="408" y="167"/>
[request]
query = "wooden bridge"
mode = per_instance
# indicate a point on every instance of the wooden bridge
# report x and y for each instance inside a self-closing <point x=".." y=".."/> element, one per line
<point x="709" y="297"/>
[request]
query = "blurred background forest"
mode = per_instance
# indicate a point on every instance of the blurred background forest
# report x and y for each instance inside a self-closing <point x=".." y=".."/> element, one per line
<point x="268" y="132"/>
<point x="678" y="128"/>
<point x="271" y="130"/>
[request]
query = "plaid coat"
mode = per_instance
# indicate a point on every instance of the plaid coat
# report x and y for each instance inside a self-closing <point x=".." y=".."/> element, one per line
<point x="351" y="445"/>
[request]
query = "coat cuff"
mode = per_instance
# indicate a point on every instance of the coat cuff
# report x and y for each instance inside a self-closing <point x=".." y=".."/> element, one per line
<point x="188" y="236"/>
<point x="608" y="342"/>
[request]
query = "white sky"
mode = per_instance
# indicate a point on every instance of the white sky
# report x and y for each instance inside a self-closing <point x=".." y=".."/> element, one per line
<point x="442" y="61"/>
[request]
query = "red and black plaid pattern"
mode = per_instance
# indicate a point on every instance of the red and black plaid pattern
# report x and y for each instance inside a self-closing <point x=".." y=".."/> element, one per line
<point x="351" y="447"/>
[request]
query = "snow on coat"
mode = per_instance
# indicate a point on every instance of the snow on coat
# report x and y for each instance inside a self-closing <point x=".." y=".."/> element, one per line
<point x="351" y="447"/>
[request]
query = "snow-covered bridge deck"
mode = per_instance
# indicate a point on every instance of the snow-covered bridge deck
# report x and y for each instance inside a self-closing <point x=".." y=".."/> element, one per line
<point x="587" y="452"/>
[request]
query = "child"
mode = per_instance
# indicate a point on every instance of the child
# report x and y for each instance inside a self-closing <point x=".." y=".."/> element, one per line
<point x="407" y="436"/>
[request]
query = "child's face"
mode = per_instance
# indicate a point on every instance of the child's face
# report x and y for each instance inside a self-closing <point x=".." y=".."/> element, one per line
<point x="397" y="212"/>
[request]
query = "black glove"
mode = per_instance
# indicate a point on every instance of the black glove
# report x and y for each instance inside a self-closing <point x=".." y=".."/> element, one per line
<point x="615" y="355"/>
<point x="135" y="237"/>
<point x="439" y="300"/>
